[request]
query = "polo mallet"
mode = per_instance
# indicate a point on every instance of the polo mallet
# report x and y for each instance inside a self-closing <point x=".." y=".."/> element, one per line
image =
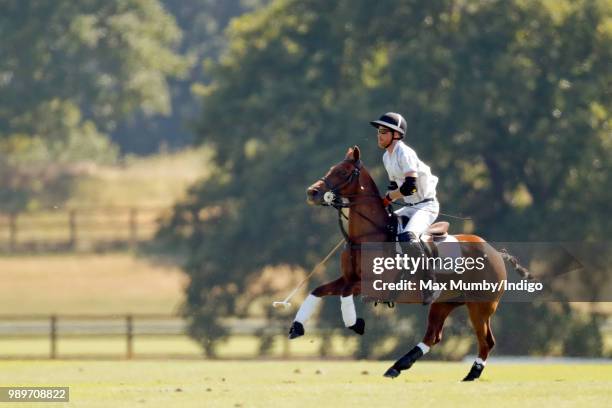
<point x="285" y="303"/>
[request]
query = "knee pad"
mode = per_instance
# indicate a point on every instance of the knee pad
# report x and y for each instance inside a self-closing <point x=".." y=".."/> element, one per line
<point x="407" y="236"/>
<point x="403" y="237"/>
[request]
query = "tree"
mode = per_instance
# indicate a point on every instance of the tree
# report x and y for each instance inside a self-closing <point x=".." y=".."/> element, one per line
<point x="70" y="71"/>
<point x="109" y="58"/>
<point x="507" y="100"/>
<point x="202" y="23"/>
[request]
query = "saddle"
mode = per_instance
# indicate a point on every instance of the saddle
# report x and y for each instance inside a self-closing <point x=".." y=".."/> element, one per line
<point x="436" y="232"/>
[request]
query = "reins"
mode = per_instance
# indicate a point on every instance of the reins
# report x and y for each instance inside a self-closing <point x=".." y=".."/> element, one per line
<point x="336" y="200"/>
<point x="380" y="230"/>
<point x="438" y="212"/>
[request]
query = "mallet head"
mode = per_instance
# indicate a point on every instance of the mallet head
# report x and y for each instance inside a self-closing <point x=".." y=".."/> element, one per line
<point x="283" y="304"/>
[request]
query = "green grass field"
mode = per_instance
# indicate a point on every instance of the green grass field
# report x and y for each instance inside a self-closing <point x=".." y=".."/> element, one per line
<point x="320" y="384"/>
<point x="88" y="284"/>
<point x="179" y="346"/>
<point x="157" y="180"/>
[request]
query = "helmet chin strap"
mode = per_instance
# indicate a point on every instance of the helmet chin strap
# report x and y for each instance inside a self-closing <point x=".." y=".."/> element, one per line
<point x="391" y="141"/>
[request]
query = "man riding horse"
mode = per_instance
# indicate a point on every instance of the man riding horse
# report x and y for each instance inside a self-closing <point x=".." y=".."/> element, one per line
<point x="348" y="184"/>
<point x="411" y="181"/>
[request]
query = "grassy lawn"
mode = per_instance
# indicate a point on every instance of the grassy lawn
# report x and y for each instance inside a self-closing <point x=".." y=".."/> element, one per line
<point x="180" y="346"/>
<point x="157" y="180"/>
<point x="320" y="384"/>
<point x="88" y="284"/>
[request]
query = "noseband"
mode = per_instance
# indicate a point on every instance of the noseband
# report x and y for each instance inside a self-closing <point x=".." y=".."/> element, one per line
<point x="332" y="196"/>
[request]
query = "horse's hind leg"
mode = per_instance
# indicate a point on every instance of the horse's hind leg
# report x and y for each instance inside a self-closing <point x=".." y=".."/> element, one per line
<point x="438" y="312"/>
<point x="480" y="316"/>
<point x="310" y="305"/>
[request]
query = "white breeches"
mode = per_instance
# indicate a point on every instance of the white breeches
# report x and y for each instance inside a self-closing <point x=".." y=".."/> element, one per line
<point x="421" y="216"/>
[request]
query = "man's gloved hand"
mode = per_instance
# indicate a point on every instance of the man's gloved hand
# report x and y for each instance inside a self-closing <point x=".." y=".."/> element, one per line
<point x="392" y="186"/>
<point x="387" y="200"/>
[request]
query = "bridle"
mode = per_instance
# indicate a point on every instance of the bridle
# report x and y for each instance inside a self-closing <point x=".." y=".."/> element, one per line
<point x="333" y="198"/>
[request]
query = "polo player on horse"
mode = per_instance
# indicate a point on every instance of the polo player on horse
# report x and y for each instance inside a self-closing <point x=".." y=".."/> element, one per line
<point x="412" y="182"/>
<point x="348" y="184"/>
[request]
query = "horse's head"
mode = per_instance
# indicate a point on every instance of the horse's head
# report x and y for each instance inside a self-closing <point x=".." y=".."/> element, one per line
<point x="342" y="180"/>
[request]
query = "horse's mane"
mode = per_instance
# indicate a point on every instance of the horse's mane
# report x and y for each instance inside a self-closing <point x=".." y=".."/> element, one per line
<point x="370" y="180"/>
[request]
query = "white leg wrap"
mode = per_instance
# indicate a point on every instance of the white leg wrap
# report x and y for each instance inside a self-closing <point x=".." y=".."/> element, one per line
<point x="349" y="315"/>
<point x="307" y="309"/>
<point x="480" y="361"/>
<point x="424" y="347"/>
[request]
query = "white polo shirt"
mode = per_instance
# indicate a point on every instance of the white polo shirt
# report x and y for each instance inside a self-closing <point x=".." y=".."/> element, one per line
<point x="403" y="160"/>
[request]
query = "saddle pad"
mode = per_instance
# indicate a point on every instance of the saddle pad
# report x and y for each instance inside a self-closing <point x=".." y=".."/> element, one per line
<point x="449" y="247"/>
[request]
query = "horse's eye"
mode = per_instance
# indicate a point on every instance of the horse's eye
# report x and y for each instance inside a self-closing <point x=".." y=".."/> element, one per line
<point x="343" y="172"/>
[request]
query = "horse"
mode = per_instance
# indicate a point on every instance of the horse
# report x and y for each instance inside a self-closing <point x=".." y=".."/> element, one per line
<point x="369" y="221"/>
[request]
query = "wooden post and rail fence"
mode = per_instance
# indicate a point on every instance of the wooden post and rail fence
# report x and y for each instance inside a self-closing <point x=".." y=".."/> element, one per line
<point x="54" y="327"/>
<point x="78" y="228"/>
<point x="72" y="329"/>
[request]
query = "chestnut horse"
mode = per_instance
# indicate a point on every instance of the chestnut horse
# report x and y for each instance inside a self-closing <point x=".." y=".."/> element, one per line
<point x="368" y="221"/>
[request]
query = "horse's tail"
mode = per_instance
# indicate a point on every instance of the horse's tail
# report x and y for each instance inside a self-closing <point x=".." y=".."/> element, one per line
<point x="521" y="270"/>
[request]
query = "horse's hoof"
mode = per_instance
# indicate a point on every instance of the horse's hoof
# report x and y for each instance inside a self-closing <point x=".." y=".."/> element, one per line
<point x="296" y="330"/>
<point x="474" y="373"/>
<point x="359" y="326"/>
<point x="391" y="373"/>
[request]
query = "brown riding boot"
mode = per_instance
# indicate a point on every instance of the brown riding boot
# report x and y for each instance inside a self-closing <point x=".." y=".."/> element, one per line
<point x="429" y="295"/>
<point x="414" y="247"/>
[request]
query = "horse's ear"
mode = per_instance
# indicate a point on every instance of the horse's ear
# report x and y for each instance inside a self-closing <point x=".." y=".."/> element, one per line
<point x="353" y="153"/>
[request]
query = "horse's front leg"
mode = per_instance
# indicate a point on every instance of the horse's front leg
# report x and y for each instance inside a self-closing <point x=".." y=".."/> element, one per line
<point x="347" y="305"/>
<point x="333" y="288"/>
<point x="350" y="264"/>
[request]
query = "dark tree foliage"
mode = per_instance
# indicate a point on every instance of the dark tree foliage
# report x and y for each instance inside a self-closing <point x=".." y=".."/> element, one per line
<point x="202" y="23"/>
<point x="509" y="102"/>
<point x="69" y="72"/>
